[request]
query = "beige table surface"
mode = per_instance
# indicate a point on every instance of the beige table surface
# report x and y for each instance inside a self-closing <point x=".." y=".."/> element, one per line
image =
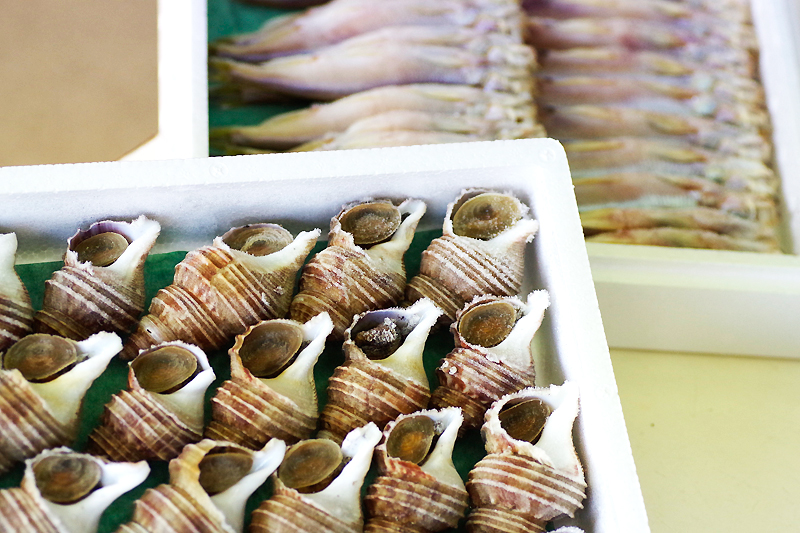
<point x="716" y="439"/>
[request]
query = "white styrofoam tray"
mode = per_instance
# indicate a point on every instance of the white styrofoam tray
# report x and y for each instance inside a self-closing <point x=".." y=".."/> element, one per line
<point x="709" y="301"/>
<point x="182" y="83"/>
<point x="195" y="200"/>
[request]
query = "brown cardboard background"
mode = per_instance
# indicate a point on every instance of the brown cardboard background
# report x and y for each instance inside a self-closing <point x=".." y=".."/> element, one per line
<point x="78" y="80"/>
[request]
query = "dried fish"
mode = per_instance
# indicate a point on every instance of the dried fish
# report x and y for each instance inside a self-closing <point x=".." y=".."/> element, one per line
<point x="666" y="10"/>
<point x="685" y="238"/>
<point x="293" y="128"/>
<point x="407" y="54"/>
<point x="338" y="20"/>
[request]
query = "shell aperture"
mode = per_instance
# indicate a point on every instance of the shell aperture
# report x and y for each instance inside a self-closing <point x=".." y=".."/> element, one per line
<point x="66" y="478"/>
<point x="40" y="357"/>
<point x="486" y="216"/>
<point x="223" y="467"/>
<point x="269" y="347"/>
<point x="411" y="439"/>
<point x="165" y="369"/>
<point x="101" y="249"/>
<point x="309" y="466"/>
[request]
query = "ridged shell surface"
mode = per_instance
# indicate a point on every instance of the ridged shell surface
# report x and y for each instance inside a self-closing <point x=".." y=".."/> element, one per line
<point x="364" y="390"/>
<point x="16" y="312"/>
<point x="218" y="292"/>
<point x="138" y="424"/>
<point x="474" y="376"/>
<point x="183" y="505"/>
<point x="519" y="486"/>
<point x="25" y="510"/>
<point x="249" y="410"/>
<point x="39" y="416"/>
<point x="419" y="498"/>
<point x="82" y="299"/>
<point x="346" y="279"/>
<point x="454" y="268"/>
<point x="336" y="508"/>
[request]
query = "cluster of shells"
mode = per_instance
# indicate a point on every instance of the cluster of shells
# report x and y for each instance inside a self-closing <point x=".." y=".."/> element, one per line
<point x="265" y="420"/>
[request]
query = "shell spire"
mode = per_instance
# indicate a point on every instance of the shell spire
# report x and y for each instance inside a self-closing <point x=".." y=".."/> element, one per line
<point x="481" y="251"/>
<point x="42" y="384"/>
<point x="66" y="492"/>
<point x="161" y="411"/>
<point x="101" y="286"/>
<point x="245" y="276"/>
<point x="16" y="312"/>
<point x="383" y="375"/>
<point x="531" y="473"/>
<point x="362" y="268"/>
<point x="209" y="484"/>
<point x="493" y="353"/>
<point x="331" y="504"/>
<point x="418" y="488"/>
<point x="271" y="393"/>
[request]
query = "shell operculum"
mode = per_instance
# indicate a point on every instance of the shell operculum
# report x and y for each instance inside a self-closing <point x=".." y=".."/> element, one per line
<point x="76" y="488"/>
<point x="118" y="246"/>
<point x="484" y="215"/>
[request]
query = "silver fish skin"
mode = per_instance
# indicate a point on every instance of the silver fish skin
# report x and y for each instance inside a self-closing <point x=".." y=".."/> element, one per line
<point x="701" y="218"/>
<point x="684" y="61"/>
<point x="405" y="55"/>
<point x="683" y="238"/>
<point x="385" y="139"/>
<point x="599" y="122"/>
<point x="296" y="127"/>
<point x="736" y="101"/>
<point x="339" y="20"/>
<point x="555" y="34"/>
<point x="465" y="128"/>
<point x="657" y="10"/>
<point x="643" y="189"/>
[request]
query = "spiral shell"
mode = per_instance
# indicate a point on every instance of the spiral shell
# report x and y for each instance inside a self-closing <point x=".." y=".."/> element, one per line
<point x="456" y="267"/>
<point x="379" y="387"/>
<point x="424" y="496"/>
<point x="139" y="424"/>
<point x="473" y="376"/>
<point x="220" y="290"/>
<point x="519" y="485"/>
<point x="249" y="410"/>
<point x="38" y="416"/>
<point x="347" y="278"/>
<point x="16" y="313"/>
<point x="334" y="509"/>
<point x="83" y="298"/>
<point x="184" y="505"/>
<point x="27" y="510"/>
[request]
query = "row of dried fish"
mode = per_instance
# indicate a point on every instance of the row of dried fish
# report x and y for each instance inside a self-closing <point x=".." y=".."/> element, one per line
<point x="663" y="117"/>
<point x="530" y="475"/>
<point x="412" y="72"/>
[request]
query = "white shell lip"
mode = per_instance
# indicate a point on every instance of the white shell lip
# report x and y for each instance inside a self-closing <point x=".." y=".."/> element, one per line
<point x="63" y="396"/>
<point x="525" y="227"/>
<point x="407" y="359"/>
<point x="289" y="254"/>
<point x="515" y="350"/>
<point x="141" y="234"/>
<point x="439" y="462"/>
<point x="187" y="403"/>
<point x="297" y="381"/>
<point x="555" y="447"/>
<point x="397" y="245"/>
<point x="11" y="286"/>
<point x="84" y="516"/>
<point x="232" y="501"/>
<point x="342" y="498"/>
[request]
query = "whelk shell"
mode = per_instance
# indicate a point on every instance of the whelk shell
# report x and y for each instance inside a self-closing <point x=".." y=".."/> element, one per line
<point x="249" y="410"/>
<point x="424" y="495"/>
<point x="389" y="382"/>
<point x="38" y="416"/>
<point x="334" y="509"/>
<point x="184" y="505"/>
<point x="486" y="365"/>
<point x="28" y="510"/>
<point x="101" y="286"/>
<point x="219" y="291"/>
<point x="161" y="411"/>
<point x="521" y="485"/>
<point x="16" y="313"/>
<point x="348" y="278"/>
<point x="463" y="263"/>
